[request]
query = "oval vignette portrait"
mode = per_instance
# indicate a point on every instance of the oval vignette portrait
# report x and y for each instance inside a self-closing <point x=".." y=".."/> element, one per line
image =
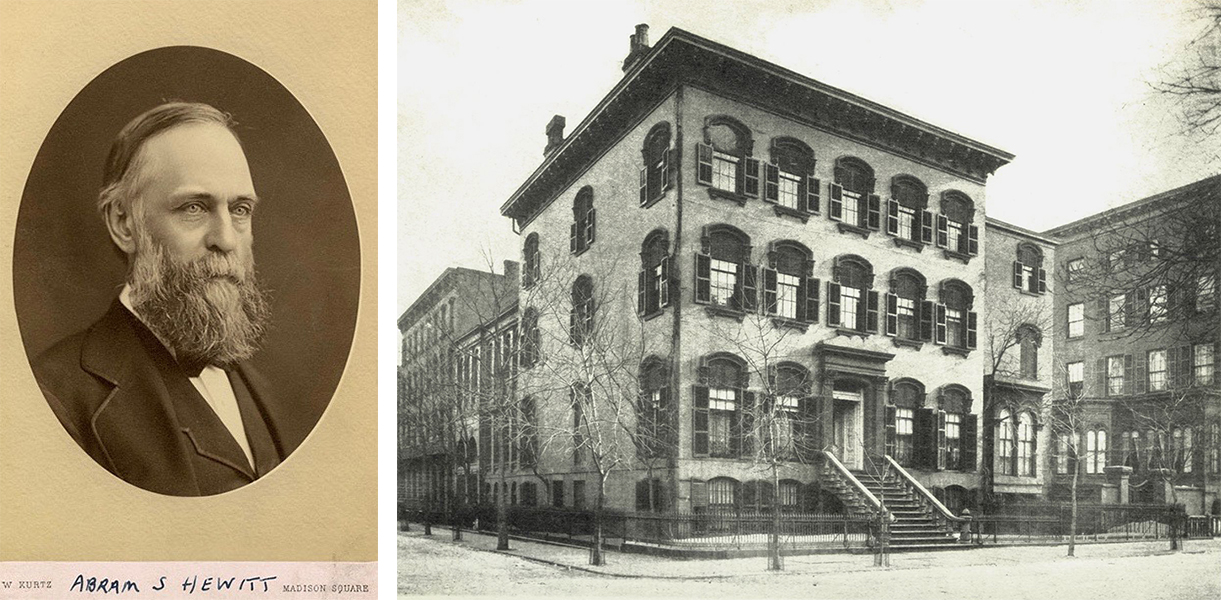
<point x="186" y="271"/>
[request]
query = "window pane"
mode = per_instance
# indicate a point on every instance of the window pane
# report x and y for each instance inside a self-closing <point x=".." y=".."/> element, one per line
<point x="852" y="207"/>
<point x="1157" y="304"/>
<point x="1157" y="370"/>
<point x="1076" y="320"/>
<point x="1115" y="375"/>
<point x="724" y="279"/>
<point x="907" y="223"/>
<point x="725" y="172"/>
<point x="1115" y="318"/>
<point x="786" y="295"/>
<point x="954" y="328"/>
<point x="850" y="301"/>
<point x="907" y="318"/>
<point x="904" y="422"/>
<point x="789" y="187"/>
<point x="1203" y="362"/>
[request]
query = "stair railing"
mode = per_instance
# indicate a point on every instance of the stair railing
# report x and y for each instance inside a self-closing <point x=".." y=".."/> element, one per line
<point x="859" y="487"/>
<point x="940" y="512"/>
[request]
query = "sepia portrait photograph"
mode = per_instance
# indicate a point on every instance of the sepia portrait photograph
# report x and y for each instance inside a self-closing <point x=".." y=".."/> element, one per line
<point x="831" y="299"/>
<point x="189" y="199"/>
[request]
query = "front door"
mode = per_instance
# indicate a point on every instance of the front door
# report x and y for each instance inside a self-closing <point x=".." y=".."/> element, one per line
<point x="848" y="425"/>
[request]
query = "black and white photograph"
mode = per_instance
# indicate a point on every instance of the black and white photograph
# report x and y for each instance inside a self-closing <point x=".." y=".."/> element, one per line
<point x="835" y="299"/>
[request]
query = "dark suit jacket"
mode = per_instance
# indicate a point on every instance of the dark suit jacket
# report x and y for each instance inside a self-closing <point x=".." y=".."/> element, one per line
<point x="125" y="400"/>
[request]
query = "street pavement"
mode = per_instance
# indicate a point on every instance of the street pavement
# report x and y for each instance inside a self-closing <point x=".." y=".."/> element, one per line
<point x="438" y="566"/>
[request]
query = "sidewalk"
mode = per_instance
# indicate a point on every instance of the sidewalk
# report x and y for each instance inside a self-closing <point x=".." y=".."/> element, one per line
<point x="619" y="564"/>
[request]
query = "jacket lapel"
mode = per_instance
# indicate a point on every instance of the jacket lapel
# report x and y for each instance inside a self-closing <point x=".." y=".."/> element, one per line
<point x="154" y="421"/>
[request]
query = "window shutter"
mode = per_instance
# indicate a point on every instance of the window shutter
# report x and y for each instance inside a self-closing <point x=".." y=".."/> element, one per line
<point x="665" y="283"/>
<point x="644" y="185"/>
<point x="750" y="183"/>
<point x="813" y="287"/>
<point x="572" y="238"/>
<point x="941" y="442"/>
<point x="590" y="222"/>
<point x="927" y="312"/>
<point x="1172" y="368"/>
<point x="703" y="279"/>
<point x="771" y="182"/>
<point x="769" y="291"/>
<point x="835" y="206"/>
<point x="572" y="326"/>
<point x="642" y="295"/>
<point x="1017" y="274"/>
<point x="1140" y="377"/>
<point x="833" y="319"/>
<point x="890" y="430"/>
<point x="699" y="425"/>
<point x="1102" y="377"/>
<point x="874" y="213"/>
<point x="1127" y="374"/>
<point x="924" y="439"/>
<point x="1187" y="361"/>
<point x="892" y="217"/>
<point x="813" y="189"/>
<point x="1034" y="451"/>
<point x="968" y="439"/>
<point x="1104" y="313"/>
<point x="940" y="324"/>
<point x="926" y="227"/>
<point x="669" y="169"/>
<point x="892" y="314"/>
<point x="972" y="330"/>
<point x="1195" y="454"/>
<point x="699" y="494"/>
<point x="1042" y="281"/>
<point x="1129" y="309"/>
<point x="642" y="495"/>
<point x="943" y="231"/>
<point x="703" y="164"/>
<point x="972" y="240"/>
<point x="749" y="276"/>
<point x="744" y="440"/>
<point x="871" y="311"/>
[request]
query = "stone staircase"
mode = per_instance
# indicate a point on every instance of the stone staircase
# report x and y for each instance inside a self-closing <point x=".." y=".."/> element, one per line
<point x="916" y="527"/>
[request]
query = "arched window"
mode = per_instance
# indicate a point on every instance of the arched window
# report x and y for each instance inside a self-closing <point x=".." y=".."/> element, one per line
<point x="908" y="315"/>
<point x="721" y="401"/>
<point x="789" y="291"/>
<point x="757" y="495"/>
<point x="723" y="160"/>
<point x="657" y="156"/>
<point x="1095" y="451"/>
<point x="579" y="396"/>
<point x="1026" y="457"/>
<point x="851" y="301"/>
<point x="852" y="199"/>
<point x="1028" y="273"/>
<point x="1214" y="448"/>
<point x="907" y="215"/>
<point x="581" y="319"/>
<point x="531" y="346"/>
<point x="653" y="284"/>
<point x="907" y="395"/>
<point x="1003" y="443"/>
<point x="722" y="493"/>
<point x="956" y="322"/>
<point x="1029" y="339"/>
<point x="531" y="269"/>
<point x="581" y="232"/>
<point x="654" y="432"/>
<point x="955" y="232"/>
<point x="528" y="438"/>
<point x="960" y="428"/>
<point x="790" y="491"/>
<point x="789" y="411"/>
<point x="723" y="275"/>
<point x="789" y="179"/>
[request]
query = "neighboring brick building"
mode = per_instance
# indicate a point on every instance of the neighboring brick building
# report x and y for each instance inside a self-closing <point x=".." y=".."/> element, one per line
<point x="1137" y="337"/>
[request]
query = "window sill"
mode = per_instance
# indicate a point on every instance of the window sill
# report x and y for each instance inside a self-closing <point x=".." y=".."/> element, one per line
<point x="906" y="343"/>
<point x="850" y="228"/>
<point x="659" y="198"/>
<point x="652" y="315"/>
<point x="580" y="251"/>
<point x="784" y="211"/>
<point x="734" y="197"/>
<point x="956" y="255"/>
<point x="844" y="331"/>
<point x="901" y="242"/>
<point x="724" y="311"/>
<point x="955" y="351"/>
<point x="783" y="322"/>
<point x="1030" y="293"/>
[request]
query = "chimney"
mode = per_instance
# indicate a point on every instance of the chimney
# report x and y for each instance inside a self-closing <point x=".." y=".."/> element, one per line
<point x="555" y="134"/>
<point x="638" y="44"/>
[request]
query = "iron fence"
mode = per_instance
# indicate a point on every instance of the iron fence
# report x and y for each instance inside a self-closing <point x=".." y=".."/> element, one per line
<point x="1095" y="522"/>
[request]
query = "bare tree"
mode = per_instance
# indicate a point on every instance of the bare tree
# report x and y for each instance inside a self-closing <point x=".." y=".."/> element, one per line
<point x="778" y="421"/>
<point x="1193" y="79"/>
<point x="1065" y="413"/>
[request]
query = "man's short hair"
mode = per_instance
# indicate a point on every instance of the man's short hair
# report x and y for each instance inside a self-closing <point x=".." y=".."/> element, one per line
<point x="119" y="179"/>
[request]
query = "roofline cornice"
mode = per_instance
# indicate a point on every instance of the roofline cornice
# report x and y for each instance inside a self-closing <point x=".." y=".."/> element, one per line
<point x="1019" y="231"/>
<point x="1133" y="209"/>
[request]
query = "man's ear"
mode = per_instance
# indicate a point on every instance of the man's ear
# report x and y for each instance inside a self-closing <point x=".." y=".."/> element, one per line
<point x="121" y="224"/>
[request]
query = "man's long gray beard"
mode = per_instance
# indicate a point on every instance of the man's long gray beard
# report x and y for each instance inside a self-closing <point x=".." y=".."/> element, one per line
<point x="208" y="312"/>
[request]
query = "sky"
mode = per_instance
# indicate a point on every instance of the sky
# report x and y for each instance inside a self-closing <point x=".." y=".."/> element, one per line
<point x="1065" y="86"/>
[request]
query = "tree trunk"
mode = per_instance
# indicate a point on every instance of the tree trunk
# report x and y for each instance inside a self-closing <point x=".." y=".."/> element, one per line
<point x="1072" y="521"/>
<point x="502" y="514"/>
<point x="596" y="558"/>
<point x="774" y="562"/>
<point x="455" y="527"/>
<point x="1175" y="522"/>
<point x="428" y="487"/>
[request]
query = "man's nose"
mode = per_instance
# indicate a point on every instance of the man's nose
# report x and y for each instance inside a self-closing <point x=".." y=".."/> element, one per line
<point x="222" y="237"/>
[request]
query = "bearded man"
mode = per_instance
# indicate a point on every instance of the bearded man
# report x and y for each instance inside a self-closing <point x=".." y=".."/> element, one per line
<point x="159" y="391"/>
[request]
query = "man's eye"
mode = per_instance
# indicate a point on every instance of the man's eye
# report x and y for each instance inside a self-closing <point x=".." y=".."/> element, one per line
<point x="193" y="209"/>
<point x="242" y="210"/>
